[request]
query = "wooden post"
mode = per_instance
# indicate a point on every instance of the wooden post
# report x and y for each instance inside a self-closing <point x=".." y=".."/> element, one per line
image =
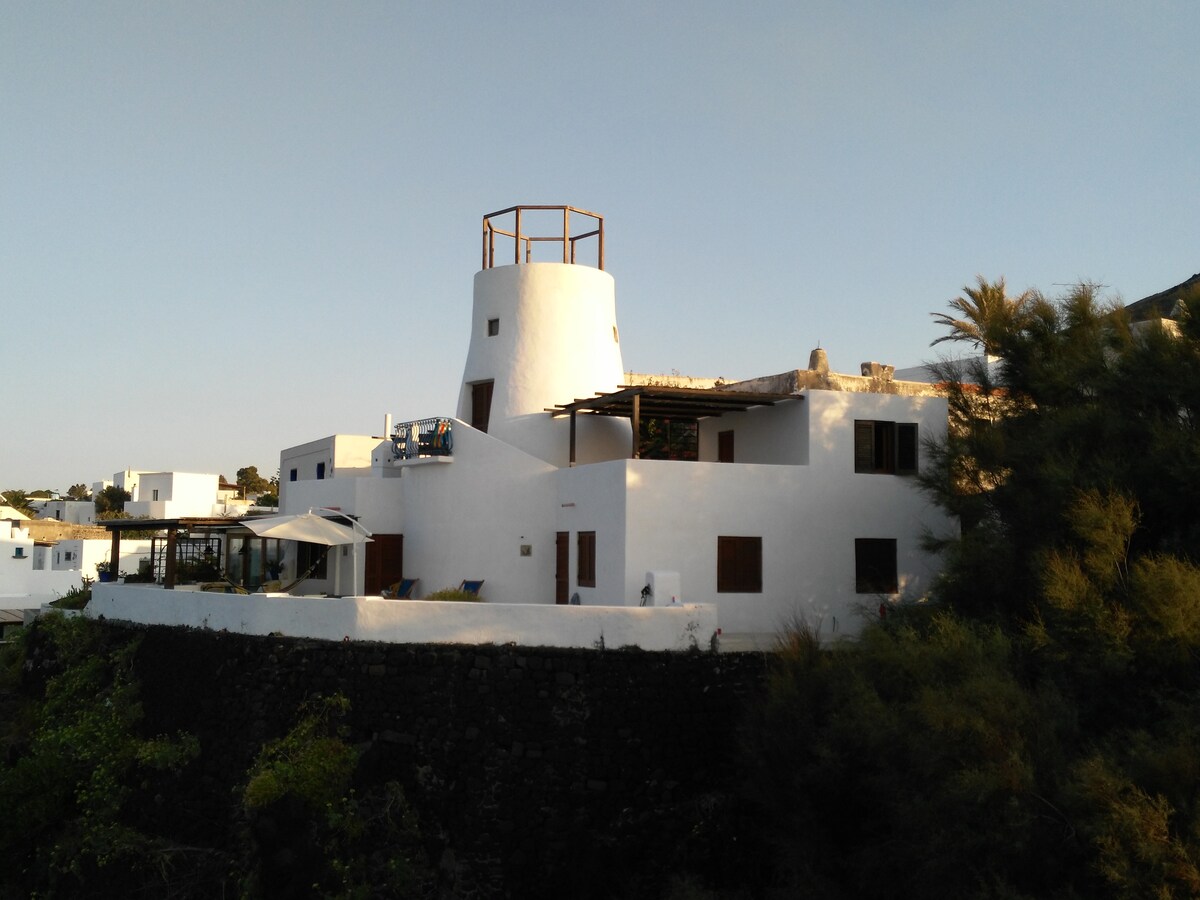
<point x="572" y="456"/>
<point x="517" y="240"/>
<point x="636" y="421"/>
<point x="114" y="554"/>
<point x="567" y="233"/>
<point x="169" y="570"/>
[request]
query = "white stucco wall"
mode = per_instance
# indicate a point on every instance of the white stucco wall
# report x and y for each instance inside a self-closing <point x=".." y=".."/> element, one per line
<point x="344" y="455"/>
<point x="468" y="520"/>
<point x="86" y="553"/>
<point x="178" y="494"/>
<point x="592" y="498"/>
<point x="21" y="585"/>
<point x="770" y="435"/>
<point x="401" y="621"/>
<point x="557" y="342"/>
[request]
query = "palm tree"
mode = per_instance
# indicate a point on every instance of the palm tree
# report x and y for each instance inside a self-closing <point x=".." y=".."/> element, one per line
<point x="989" y="315"/>
<point x="18" y="500"/>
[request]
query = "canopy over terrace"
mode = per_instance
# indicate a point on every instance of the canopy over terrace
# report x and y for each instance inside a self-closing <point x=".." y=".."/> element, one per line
<point x="664" y="402"/>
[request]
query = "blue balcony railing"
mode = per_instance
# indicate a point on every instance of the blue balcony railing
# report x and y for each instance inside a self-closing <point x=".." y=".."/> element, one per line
<point x="423" y="438"/>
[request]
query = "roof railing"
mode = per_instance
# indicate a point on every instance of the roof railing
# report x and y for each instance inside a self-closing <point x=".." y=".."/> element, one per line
<point x="525" y="226"/>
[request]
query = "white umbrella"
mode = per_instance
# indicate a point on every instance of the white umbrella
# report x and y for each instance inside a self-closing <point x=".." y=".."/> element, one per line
<point x="313" y="529"/>
<point x="308" y="527"/>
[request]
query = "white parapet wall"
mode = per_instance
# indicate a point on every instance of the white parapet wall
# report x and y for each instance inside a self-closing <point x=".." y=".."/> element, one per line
<point x="683" y="627"/>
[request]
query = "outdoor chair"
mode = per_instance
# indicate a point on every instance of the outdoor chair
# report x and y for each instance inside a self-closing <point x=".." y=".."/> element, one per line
<point x="471" y="587"/>
<point x="401" y="590"/>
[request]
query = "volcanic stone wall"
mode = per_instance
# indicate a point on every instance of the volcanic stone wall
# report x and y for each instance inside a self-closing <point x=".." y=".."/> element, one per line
<point x="535" y="772"/>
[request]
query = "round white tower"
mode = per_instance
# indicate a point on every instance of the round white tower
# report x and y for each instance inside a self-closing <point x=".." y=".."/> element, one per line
<point x="543" y="333"/>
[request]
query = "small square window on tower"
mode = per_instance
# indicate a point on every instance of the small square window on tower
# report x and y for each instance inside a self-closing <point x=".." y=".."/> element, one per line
<point x="493" y="327"/>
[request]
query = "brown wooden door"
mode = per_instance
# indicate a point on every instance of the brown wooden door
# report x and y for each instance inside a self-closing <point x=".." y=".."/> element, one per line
<point x="481" y="404"/>
<point x="562" y="562"/>
<point x="384" y="562"/>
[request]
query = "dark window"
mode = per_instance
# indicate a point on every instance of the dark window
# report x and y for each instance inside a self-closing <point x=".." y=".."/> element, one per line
<point x="292" y="475"/>
<point x="739" y="565"/>
<point x="875" y="566"/>
<point x="320" y="471"/>
<point x="664" y="438"/>
<point x="888" y="448"/>
<point x="724" y="446"/>
<point x="586" y="564"/>
<point x="493" y="327"/>
<point x="481" y="404"/>
<point x="311" y="556"/>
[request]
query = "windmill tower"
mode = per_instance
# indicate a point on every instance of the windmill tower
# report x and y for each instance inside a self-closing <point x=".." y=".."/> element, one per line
<point x="542" y="333"/>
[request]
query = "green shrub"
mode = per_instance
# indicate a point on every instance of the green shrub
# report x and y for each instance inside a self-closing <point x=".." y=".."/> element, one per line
<point x="311" y="762"/>
<point x="75" y="598"/>
<point x="74" y="758"/>
<point x="455" y="595"/>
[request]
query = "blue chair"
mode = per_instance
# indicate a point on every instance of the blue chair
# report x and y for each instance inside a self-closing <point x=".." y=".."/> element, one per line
<point x="471" y="587"/>
<point x="401" y="590"/>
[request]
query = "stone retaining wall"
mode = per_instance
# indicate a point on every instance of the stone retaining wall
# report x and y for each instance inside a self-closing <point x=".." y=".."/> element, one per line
<point x="536" y="772"/>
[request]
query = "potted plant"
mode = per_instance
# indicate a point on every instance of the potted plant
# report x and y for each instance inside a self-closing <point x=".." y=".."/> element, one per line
<point x="105" y="571"/>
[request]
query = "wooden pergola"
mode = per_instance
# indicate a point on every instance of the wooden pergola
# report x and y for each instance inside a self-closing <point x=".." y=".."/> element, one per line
<point x="663" y="402"/>
<point x="204" y="526"/>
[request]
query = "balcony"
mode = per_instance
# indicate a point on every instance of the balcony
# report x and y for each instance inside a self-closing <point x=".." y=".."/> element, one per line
<point x="423" y="441"/>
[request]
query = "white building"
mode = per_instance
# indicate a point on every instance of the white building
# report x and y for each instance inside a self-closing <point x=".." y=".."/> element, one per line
<point x="26" y="578"/>
<point x="73" y="512"/>
<point x="83" y="555"/>
<point x="172" y="495"/>
<point x="779" y="498"/>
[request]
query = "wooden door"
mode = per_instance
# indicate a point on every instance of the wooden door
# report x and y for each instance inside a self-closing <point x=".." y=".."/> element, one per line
<point x="481" y="404"/>
<point x="384" y="562"/>
<point x="562" y="563"/>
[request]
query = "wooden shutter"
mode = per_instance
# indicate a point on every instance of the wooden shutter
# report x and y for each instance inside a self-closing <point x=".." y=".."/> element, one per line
<point x="906" y="448"/>
<point x="586" y="560"/>
<point x="864" y="446"/>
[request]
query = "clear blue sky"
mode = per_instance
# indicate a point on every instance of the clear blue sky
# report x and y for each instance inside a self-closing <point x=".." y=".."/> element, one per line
<point x="229" y="228"/>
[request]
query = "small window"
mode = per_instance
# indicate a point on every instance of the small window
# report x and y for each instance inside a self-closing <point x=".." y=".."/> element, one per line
<point x="875" y="566"/>
<point x="320" y="471"/>
<point x="725" y="446"/>
<point x="586" y="563"/>
<point x="739" y="565"/>
<point x="493" y="327"/>
<point x="155" y="497"/>
<point x="885" y="448"/>
<point x="293" y="475"/>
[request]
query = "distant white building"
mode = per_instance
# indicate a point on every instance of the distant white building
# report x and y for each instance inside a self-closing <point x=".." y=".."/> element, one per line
<point x="781" y="498"/>
<point x="169" y="495"/>
<point x="74" y="512"/>
<point x="26" y="578"/>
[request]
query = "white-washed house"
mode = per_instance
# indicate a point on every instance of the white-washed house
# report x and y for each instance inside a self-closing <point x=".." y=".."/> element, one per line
<point x="784" y="497"/>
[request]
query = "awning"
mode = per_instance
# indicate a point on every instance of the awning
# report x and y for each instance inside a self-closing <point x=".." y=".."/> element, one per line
<point x="308" y="527"/>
